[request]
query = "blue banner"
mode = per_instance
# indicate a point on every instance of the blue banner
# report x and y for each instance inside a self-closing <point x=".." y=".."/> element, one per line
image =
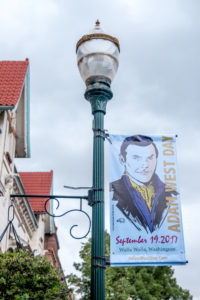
<point x="145" y="210"/>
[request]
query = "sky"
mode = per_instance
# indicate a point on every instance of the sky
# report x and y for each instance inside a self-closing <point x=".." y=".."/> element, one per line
<point x="155" y="91"/>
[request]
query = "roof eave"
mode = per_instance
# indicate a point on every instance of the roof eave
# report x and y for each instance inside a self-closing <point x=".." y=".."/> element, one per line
<point x="7" y="107"/>
<point x="23" y="150"/>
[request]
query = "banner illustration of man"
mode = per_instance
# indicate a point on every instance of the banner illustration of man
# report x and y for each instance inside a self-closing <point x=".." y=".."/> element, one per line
<point x="140" y="193"/>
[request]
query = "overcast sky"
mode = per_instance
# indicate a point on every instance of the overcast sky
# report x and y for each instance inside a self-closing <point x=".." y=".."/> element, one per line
<point x="156" y="91"/>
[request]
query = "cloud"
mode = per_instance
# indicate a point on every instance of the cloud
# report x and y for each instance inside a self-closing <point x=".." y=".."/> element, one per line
<point x="155" y="91"/>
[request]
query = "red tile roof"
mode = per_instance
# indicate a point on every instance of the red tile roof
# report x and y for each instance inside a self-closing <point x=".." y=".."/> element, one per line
<point x="37" y="183"/>
<point x="12" y="75"/>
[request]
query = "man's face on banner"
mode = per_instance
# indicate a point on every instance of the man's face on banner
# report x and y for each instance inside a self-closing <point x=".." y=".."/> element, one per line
<point x="140" y="162"/>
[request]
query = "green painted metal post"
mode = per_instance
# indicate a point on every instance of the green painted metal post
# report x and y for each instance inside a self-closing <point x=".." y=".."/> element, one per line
<point x="98" y="93"/>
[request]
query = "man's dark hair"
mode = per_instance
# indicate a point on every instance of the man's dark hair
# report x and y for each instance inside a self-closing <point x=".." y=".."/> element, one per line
<point x="138" y="140"/>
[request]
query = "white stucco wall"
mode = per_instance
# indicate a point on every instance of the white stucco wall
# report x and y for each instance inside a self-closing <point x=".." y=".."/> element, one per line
<point x="23" y="221"/>
<point x="37" y="241"/>
<point x="7" y="145"/>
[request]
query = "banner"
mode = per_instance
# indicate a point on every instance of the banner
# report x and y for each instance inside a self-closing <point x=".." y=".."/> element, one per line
<point x="145" y="210"/>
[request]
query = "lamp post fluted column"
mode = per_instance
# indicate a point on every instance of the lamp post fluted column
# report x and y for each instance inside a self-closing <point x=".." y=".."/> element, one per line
<point x="98" y="93"/>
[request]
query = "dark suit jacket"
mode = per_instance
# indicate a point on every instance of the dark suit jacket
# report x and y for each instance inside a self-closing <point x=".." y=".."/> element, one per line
<point x="134" y="207"/>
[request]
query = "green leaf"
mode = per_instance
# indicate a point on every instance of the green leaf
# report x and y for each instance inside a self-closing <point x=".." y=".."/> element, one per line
<point x="23" y="276"/>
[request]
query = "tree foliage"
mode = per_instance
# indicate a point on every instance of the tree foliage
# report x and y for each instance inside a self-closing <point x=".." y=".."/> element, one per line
<point x="24" y="276"/>
<point x="139" y="283"/>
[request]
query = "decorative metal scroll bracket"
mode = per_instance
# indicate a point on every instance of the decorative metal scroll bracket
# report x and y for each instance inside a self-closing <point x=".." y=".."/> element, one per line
<point x="10" y="226"/>
<point x="90" y="198"/>
<point x="69" y="211"/>
<point x="56" y="197"/>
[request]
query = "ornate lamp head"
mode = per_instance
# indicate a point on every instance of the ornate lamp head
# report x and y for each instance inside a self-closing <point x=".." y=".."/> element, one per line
<point x="97" y="55"/>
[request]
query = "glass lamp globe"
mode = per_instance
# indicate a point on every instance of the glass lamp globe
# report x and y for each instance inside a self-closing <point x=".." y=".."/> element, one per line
<point x="97" y="55"/>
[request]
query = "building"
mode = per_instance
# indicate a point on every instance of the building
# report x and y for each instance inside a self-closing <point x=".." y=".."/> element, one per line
<point x="40" y="183"/>
<point x="34" y="227"/>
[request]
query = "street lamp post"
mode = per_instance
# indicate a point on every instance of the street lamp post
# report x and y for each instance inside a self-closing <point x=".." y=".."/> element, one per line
<point x="97" y="56"/>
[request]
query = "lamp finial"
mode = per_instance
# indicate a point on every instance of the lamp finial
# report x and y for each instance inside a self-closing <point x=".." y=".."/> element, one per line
<point x="97" y="23"/>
